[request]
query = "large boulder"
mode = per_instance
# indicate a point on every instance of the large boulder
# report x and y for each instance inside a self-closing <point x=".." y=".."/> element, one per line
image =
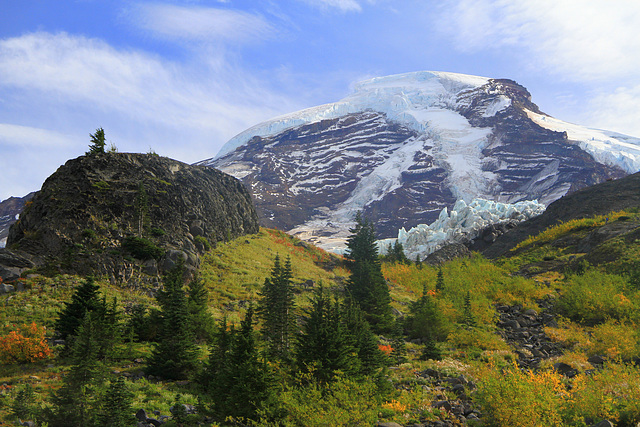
<point x="110" y="214"/>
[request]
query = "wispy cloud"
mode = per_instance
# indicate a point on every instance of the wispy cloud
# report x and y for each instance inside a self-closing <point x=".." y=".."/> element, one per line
<point x="25" y="136"/>
<point x="204" y="24"/>
<point x="591" y="42"/>
<point x="71" y="70"/>
<point x="580" y="39"/>
<point x="342" y="5"/>
<point x="75" y="84"/>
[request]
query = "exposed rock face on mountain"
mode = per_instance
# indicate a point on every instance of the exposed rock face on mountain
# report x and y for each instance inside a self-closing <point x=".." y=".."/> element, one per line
<point x="9" y="211"/>
<point x="122" y="214"/>
<point x="601" y="199"/>
<point x="403" y="147"/>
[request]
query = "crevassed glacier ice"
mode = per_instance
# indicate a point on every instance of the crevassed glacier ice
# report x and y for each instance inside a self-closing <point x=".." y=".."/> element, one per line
<point x="464" y="222"/>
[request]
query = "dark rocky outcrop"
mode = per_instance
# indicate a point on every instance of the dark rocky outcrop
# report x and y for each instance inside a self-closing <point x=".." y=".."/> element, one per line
<point x="601" y="199"/>
<point x="119" y="214"/>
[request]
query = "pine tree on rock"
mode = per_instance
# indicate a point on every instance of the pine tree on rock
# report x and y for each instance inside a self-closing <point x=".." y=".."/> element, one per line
<point x="175" y="355"/>
<point x="98" y="142"/>
<point x="366" y="285"/>
<point x="276" y="310"/>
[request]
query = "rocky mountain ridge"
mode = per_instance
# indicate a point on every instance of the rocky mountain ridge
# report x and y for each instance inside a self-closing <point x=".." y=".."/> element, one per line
<point x="129" y="215"/>
<point x="403" y="147"/>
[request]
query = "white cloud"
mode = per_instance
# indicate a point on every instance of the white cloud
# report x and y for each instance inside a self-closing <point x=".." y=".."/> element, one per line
<point x="617" y="110"/>
<point x="90" y="74"/>
<point x="343" y="5"/>
<point x="593" y="43"/>
<point x="56" y="85"/>
<point x="25" y="136"/>
<point x="582" y="40"/>
<point x="200" y="23"/>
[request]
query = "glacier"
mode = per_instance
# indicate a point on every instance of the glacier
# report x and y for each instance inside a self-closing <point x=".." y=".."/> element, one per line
<point x="463" y="223"/>
<point x="428" y="101"/>
<point x="402" y="97"/>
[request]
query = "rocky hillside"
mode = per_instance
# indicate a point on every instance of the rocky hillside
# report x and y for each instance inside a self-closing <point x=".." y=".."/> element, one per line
<point x="122" y="215"/>
<point x="9" y="211"/>
<point x="601" y="199"/>
<point x="403" y="147"/>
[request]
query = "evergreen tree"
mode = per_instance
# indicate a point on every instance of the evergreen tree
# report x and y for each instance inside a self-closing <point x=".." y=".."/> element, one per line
<point x="276" y="310"/>
<point x="430" y="350"/>
<point x="362" y="339"/>
<point x="424" y="320"/>
<point x="467" y="317"/>
<point x="238" y="381"/>
<point x="116" y="410"/>
<point x="176" y="353"/>
<point x="218" y="359"/>
<point x="23" y="407"/>
<point x="97" y="142"/>
<point x="74" y="403"/>
<point x="366" y="285"/>
<point x="200" y="320"/>
<point x="396" y="253"/>
<point x="85" y="298"/>
<point x="324" y="345"/>
<point x="440" y="280"/>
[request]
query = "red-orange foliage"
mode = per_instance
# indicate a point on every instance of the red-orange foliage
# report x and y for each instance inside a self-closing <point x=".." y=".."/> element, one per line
<point x="27" y="344"/>
<point x="386" y="349"/>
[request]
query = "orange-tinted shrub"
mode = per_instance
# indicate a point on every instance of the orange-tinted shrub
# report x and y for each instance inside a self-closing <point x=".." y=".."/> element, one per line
<point x="26" y="344"/>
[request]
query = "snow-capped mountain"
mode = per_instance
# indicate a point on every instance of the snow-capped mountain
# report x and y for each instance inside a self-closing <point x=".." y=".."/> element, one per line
<point x="403" y="147"/>
<point x="9" y="212"/>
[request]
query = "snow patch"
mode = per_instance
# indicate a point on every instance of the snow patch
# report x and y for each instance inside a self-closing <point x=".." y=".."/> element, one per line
<point x="3" y="242"/>
<point x="496" y="106"/>
<point x="610" y="148"/>
<point x="463" y="223"/>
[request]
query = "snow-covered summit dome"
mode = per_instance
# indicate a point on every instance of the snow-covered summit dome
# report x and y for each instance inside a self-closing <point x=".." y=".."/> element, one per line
<point x="402" y="97"/>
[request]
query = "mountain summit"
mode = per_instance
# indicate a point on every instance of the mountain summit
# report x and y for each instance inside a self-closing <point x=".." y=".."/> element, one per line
<point x="403" y="147"/>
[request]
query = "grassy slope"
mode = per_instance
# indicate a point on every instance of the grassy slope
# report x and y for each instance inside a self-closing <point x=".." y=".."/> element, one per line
<point x="234" y="272"/>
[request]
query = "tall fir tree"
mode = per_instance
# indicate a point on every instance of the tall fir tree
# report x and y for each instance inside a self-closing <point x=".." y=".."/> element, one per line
<point x="425" y="320"/>
<point x="238" y="380"/>
<point x="116" y="408"/>
<point x="468" y="318"/>
<point x="74" y="404"/>
<point x="324" y="345"/>
<point x="440" y="280"/>
<point x="200" y="320"/>
<point x="366" y="285"/>
<point x="175" y="355"/>
<point x="85" y="298"/>
<point x="276" y="310"/>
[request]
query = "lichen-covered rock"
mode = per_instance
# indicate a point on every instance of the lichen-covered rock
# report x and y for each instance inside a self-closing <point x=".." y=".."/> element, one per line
<point x="109" y="214"/>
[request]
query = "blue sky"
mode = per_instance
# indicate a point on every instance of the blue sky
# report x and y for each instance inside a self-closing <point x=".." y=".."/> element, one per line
<point x="182" y="77"/>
